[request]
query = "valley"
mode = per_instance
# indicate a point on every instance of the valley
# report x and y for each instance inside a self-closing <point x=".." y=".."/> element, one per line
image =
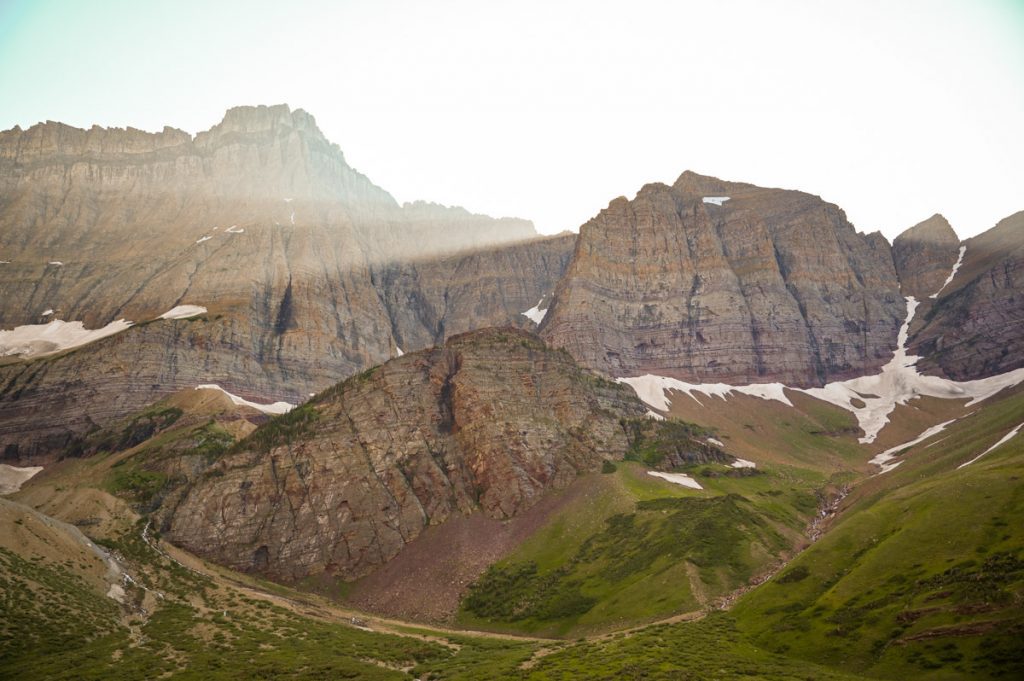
<point x="260" y="420"/>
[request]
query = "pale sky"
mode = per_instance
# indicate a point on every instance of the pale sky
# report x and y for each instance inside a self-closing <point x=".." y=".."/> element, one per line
<point x="549" y="110"/>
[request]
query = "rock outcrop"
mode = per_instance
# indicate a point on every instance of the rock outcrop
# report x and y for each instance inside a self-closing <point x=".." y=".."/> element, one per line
<point x="299" y="340"/>
<point x="430" y="300"/>
<point x="975" y="328"/>
<point x="259" y="219"/>
<point x="487" y="423"/>
<point x="924" y="255"/>
<point x="710" y="281"/>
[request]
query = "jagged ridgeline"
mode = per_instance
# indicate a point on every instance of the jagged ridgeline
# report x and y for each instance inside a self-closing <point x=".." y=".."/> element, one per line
<point x="444" y="465"/>
<point x="309" y="272"/>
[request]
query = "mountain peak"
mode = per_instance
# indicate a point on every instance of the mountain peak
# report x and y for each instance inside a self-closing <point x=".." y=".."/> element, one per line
<point x="263" y="119"/>
<point x="924" y="255"/>
<point x="934" y="230"/>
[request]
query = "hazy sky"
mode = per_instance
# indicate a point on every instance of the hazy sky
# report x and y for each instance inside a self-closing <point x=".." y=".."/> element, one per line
<point x="548" y="110"/>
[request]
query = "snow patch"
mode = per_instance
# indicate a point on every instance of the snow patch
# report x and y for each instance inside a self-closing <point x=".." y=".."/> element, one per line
<point x="654" y="415"/>
<point x="48" y="312"/>
<point x="36" y="340"/>
<point x="116" y="592"/>
<point x="183" y="312"/>
<point x="56" y="263"/>
<point x="233" y="229"/>
<point x="292" y="217"/>
<point x="716" y="442"/>
<point x="5" y="262"/>
<point x="900" y="382"/>
<point x="743" y="463"/>
<point x="956" y="267"/>
<point x="716" y="200"/>
<point x="653" y="390"/>
<point x="398" y="351"/>
<point x="886" y="467"/>
<point x="288" y="200"/>
<point x="1006" y="438"/>
<point x="677" y="478"/>
<point x="13" y="477"/>
<point x="202" y="239"/>
<point x="276" y="408"/>
<point x="878" y="394"/>
<point x="889" y="454"/>
<point x="535" y="313"/>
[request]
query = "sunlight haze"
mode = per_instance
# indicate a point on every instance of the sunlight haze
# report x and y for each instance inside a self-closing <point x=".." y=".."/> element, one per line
<point x="548" y="111"/>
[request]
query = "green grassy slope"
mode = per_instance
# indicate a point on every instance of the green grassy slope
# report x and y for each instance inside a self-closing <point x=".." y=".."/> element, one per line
<point x="923" y="573"/>
<point x="646" y="550"/>
<point x="709" y="649"/>
<point x="178" y="624"/>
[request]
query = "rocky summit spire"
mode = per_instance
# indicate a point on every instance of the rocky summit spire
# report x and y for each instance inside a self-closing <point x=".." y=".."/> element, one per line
<point x="924" y="255"/>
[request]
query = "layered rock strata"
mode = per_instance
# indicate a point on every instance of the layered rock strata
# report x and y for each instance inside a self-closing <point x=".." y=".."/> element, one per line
<point x="487" y="423"/>
<point x="714" y="281"/>
<point x="975" y="328"/>
<point x="924" y="255"/>
<point x="259" y="219"/>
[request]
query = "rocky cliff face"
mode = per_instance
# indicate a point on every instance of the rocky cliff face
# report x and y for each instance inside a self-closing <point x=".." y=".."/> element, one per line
<point x="764" y="285"/>
<point x="975" y="328"/>
<point x="259" y="219"/>
<point x="924" y="255"/>
<point x="488" y="422"/>
<point x="293" y="338"/>
<point x="430" y="300"/>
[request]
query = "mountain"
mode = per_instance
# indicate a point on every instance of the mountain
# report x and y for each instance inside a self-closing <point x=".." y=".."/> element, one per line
<point x="488" y="422"/>
<point x="975" y="328"/>
<point x="924" y="255"/>
<point x="714" y="281"/>
<point x="505" y="496"/>
<point x="308" y="271"/>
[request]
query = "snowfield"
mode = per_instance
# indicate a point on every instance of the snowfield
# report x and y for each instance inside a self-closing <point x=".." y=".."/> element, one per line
<point x="899" y="382"/>
<point x="535" y="313"/>
<point x="716" y="200"/>
<point x="36" y="340"/>
<point x="1006" y="438"/>
<point x="654" y="390"/>
<point x="883" y="458"/>
<point x="183" y="312"/>
<point x="12" y="477"/>
<point x="956" y="268"/>
<point x="276" y="408"/>
<point x="677" y="478"/>
<point x="870" y="398"/>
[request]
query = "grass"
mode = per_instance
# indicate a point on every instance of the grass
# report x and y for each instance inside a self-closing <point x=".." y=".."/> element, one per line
<point x="162" y="464"/>
<point x="709" y="649"/>
<point x="643" y="549"/>
<point x="655" y="442"/>
<point x="923" y="575"/>
<point x="283" y="429"/>
<point x="920" y="577"/>
<point x="54" y="627"/>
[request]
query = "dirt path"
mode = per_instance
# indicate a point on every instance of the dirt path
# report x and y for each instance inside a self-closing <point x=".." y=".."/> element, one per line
<point x="312" y="605"/>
